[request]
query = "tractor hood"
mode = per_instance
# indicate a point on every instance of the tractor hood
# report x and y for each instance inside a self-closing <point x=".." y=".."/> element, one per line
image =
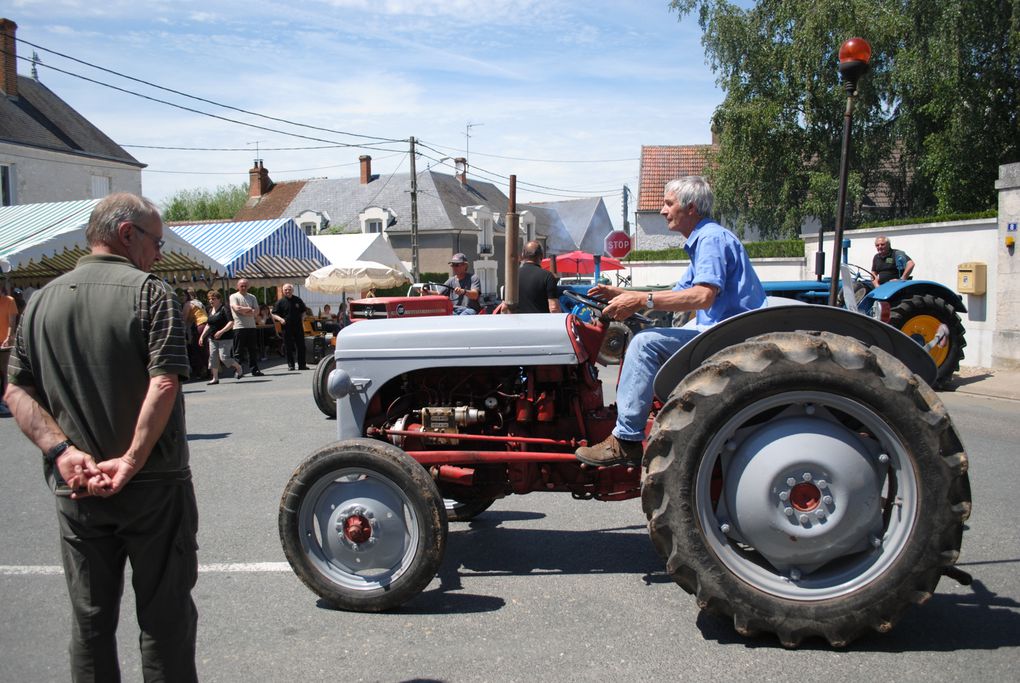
<point x="521" y="339"/>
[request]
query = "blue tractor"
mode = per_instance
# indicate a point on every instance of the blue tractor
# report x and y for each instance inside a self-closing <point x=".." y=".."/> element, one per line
<point x="925" y="311"/>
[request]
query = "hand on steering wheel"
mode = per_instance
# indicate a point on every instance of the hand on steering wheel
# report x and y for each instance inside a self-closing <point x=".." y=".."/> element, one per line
<point x="600" y="306"/>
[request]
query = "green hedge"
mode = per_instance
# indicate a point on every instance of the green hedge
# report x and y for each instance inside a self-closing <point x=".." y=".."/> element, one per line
<point x="942" y="218"/>
<point x="769" y="249"/>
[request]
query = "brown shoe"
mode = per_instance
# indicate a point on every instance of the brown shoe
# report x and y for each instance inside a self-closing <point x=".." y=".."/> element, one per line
<point x="612" y="451"/>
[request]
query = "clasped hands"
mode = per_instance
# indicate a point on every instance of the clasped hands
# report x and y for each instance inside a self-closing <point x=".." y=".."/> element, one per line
<point x="85" y="477"/>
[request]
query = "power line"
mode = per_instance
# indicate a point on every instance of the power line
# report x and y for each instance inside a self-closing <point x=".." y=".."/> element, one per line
<point x="214" y="116"/>
<point x="554" y="191"/>
<point x="543" y="161"/>
<point x="241" y="149"/>
<point x="207" y="101"/>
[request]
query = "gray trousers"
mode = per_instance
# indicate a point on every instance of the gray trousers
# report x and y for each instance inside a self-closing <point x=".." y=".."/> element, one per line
<point x="154" y="525"/>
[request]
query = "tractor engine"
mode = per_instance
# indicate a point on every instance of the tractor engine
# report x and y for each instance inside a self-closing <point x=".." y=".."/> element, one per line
<point x="431" y="409"/>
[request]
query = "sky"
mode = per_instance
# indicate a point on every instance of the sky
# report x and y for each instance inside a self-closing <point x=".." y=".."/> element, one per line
<point x="562" y="94"/>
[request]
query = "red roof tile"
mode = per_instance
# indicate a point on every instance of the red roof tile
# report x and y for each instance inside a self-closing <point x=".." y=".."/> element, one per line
<point x="272" y="204"/>
<point x="663" y="163"/>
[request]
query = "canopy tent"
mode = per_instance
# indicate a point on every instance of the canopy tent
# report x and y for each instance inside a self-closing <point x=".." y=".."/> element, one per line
<point x="346" y="249"/>
<point x="41" y="241"/>
<point x="274" y="249"/>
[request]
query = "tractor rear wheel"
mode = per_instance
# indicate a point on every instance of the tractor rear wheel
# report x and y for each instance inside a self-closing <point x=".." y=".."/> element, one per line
<point x="806" y="485"/>
<point x="363" y="525"/>
<point x="920" y="317"/>
<point x="320" y="386"/>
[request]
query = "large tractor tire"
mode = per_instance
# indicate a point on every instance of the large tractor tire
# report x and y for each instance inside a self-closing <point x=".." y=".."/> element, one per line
<point x="363" y="525"/>
<point x="320" y="386"/>
<point x="920" y="317"/>
<point x="806" y="485"/>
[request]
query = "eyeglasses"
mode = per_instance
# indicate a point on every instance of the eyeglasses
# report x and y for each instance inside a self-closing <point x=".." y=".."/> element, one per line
<point x="155" y="240"/>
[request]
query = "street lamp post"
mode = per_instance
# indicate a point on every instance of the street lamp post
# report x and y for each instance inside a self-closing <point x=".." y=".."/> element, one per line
<point x="854" y="56"/>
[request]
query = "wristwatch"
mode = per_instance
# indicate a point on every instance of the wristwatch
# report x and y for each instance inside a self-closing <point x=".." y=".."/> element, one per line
<point x="53" y="453"/>
<point x="649" y="302"/>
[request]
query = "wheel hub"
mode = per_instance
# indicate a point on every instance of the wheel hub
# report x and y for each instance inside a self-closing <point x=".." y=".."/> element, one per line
<point x="355" y="527"/>
<point x="802" y="491"/>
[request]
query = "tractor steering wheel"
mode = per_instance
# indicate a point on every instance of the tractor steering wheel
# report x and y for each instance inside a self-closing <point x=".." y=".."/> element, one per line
<point x="600" y="305"/>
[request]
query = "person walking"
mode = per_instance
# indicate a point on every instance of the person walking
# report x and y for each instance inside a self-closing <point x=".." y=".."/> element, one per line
<point x="104" y="405"/>
<point x="290" y="313"/>
<point x="244" y="307"/>
<point x="219" y="330"/>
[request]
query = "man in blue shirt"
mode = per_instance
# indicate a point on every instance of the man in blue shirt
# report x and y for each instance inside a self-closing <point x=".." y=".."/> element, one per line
<point x="719" y="283"/>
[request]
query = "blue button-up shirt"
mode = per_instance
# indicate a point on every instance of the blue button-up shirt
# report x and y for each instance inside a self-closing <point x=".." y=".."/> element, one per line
<point x="719" y="259"/>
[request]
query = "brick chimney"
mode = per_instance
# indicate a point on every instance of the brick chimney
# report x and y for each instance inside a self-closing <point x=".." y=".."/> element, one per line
<point x="460" y="169"/>
<point x="258" y="180"/>
<point x="8" y="58"/>
<point x="366" y="169"/>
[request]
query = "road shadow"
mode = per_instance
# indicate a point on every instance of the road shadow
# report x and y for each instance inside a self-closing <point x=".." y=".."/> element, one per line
<point x="212" y="436"/>
<point x="485" y="547"/>
<point x="978" y="620"/>
<point x="956" y="381"/>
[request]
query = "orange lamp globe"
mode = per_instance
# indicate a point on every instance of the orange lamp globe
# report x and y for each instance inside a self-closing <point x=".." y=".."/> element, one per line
<point x="855" y="50"/>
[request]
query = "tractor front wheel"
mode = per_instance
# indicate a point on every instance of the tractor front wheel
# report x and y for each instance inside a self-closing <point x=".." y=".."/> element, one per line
<point x="320" y="386"/>
<point x="363" y="525"/>
<point x="806" y="485"/>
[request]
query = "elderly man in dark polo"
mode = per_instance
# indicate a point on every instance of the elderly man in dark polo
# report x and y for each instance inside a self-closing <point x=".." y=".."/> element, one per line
<point x="95" y="383"/>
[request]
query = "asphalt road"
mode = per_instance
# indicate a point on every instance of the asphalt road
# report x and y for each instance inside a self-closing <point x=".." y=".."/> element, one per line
<point x="540" y="587"/>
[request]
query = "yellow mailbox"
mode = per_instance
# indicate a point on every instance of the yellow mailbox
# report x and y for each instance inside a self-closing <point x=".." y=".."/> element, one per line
<point x="971" y="277"/>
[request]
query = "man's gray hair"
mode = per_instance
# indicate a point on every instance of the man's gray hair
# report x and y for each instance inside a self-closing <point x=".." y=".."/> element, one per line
<point x="692" y="189"/>
<point x="114" y="210"/>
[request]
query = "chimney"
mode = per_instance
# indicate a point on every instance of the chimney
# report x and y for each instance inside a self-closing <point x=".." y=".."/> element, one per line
<point x="8" y="58"/>
<point x="258" y="180"/>
<point x="460" y="169"/>
<point x="366" y="169"/>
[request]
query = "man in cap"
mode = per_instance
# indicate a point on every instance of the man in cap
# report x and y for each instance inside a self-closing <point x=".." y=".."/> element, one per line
<point x="464" y="287"/>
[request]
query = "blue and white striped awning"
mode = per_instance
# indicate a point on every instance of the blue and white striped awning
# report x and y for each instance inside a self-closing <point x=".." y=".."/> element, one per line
<point x="41" y="241"/>
<point x="269" y="249"/>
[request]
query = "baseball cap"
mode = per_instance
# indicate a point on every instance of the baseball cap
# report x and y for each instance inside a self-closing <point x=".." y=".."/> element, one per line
<point x="459" y="258"/>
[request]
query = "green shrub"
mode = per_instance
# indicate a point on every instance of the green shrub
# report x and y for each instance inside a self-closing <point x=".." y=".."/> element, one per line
<point x="943" y="218"/>
<point x="767" y="249"/>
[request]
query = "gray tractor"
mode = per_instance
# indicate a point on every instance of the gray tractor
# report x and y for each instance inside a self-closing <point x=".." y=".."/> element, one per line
<point x="800" y="476"/>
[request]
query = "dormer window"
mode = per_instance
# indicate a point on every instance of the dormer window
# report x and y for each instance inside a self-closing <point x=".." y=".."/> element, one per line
<point x="375" y="220"/>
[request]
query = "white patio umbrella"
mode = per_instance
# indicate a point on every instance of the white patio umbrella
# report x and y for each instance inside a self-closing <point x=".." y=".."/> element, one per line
<point x="356" y="276"/>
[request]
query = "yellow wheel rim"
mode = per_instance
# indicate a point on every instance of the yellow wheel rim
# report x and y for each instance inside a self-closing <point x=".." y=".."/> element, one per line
<point x="923" y="328"/>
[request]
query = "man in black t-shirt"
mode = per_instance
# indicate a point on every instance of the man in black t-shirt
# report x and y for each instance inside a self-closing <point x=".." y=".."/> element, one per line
<point x="290" y="312"/>
<point x="889" y="264"/>
<point x="536" y="286"/>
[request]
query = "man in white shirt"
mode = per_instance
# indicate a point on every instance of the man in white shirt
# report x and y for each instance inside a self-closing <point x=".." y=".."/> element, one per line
<point x="244" y="306"/>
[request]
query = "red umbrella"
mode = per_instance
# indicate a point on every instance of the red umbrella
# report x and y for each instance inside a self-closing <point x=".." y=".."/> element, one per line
<point x="581" y="263"/>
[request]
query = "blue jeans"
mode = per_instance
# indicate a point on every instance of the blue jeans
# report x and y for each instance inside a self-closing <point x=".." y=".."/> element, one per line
<point x="464" y="310"/>
<point x="648" y="350"/>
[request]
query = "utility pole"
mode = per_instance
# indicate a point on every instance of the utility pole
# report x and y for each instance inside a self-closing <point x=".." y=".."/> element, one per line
<point x="415" y="271"/>
<point x="626" y="223"/>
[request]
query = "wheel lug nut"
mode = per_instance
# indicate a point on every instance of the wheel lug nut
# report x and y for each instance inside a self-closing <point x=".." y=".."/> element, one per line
<point x="795" y="574"/>
<point x="884" y="459"/>
<point x="876" y="541"/>
<point x="725" y="528"/>
<point x="804" y="519"/>
<point x="806" y="476"/>
<point x="787" y="511"/>
<point x="791" y="482"/>
<point x="827" y="500"/>
<point x="784" y="495"/>
<point x="820" y="514"/>
<point x="821" y="483"/>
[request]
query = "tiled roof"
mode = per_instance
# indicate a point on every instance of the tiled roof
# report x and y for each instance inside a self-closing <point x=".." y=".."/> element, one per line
<point x="663" y="163"/>
<point x="38" y="118"/>
<point x="273" y="204"/>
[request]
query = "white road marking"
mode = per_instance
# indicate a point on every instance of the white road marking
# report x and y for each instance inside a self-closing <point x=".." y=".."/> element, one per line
<point x="216" y="568"/>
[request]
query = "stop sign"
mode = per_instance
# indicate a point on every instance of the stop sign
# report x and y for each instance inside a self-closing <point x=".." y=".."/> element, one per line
<point x="617" y="244"/>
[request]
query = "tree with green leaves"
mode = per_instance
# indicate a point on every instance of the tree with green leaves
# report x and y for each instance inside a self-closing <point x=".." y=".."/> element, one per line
<point x="203" y="205"/>
<point x="935" y="116"/>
